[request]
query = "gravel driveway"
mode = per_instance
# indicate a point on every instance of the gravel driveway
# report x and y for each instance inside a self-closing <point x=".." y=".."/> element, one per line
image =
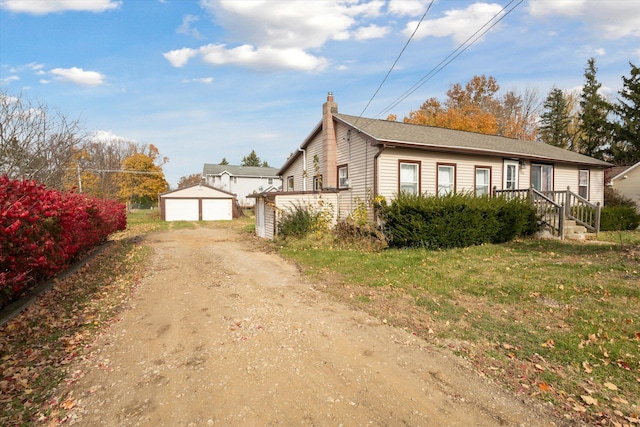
<point x="220" y="333"/>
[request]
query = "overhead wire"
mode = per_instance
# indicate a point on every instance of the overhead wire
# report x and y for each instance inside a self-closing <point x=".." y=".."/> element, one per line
<point x="396" y="61"/>
<point x="470" y="41"/>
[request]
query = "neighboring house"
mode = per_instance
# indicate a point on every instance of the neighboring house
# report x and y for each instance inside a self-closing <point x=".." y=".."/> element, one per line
<point x="349" y="160"/>
<point x="197" y="203"/>
<point x="242" y="180"/>
<point x="626" y="180"/>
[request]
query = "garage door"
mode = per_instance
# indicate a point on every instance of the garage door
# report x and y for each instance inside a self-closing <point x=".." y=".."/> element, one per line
<point x="181" y="210"/>
<point x="216" y="209"/>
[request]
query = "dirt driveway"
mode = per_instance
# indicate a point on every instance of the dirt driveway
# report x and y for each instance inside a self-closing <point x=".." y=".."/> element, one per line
<point x="222" y="334"/>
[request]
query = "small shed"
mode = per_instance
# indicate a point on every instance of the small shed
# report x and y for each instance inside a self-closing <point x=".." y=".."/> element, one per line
<point x="197" y="203"/>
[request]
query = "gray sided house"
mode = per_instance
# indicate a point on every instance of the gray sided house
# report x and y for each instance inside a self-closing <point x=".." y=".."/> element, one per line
<point x="347" y="161"/>
<point x="242" y="181"/>
<point x="626" y="180"/>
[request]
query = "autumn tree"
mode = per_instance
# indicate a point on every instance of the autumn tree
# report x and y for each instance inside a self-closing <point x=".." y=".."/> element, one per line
<point x="98" y="161"/>
<point x="36" y="142"/>
<point x="555" y="121"/>
<point x="142" y="178"/>
<point x="626" y="143"/>
<point x="476" y="107"/>
<point x="193" y="179"/>
<point x="594" y="128"/>
<point x="251" y="160"/>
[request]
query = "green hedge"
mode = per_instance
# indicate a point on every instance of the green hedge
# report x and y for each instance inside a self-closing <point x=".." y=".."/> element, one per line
<point x="456" y="220"/>
<point x="619" y="218"/>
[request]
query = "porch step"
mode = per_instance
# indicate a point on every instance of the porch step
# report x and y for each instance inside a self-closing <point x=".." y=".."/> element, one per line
<point x="572" y="231"/>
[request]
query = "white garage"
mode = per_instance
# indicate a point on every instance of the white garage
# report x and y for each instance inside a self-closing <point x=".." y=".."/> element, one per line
<point x="197" y="203"/>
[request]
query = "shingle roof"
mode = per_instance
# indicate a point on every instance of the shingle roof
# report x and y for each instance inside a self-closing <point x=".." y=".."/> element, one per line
<point x="258" y="171"/>
<point x="405" y="134"/>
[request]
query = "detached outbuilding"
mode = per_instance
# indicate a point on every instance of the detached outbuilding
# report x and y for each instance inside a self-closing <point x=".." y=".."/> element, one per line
<point x="197" y="203"/>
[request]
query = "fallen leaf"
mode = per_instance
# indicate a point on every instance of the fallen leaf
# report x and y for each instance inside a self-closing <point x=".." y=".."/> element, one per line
<point x="611" y="386"/>
<point x="539" y="367"/>
<point x="544" y="386"/>
<point x="589" y="400"/>
<point x="588" y="369"/>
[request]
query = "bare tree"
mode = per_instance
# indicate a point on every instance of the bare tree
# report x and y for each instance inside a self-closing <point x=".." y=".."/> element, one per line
<point x="35" y="142"/>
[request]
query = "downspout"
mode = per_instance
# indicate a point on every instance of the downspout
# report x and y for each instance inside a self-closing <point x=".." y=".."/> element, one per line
<point x="304" y="168"/>
<point x="375" y="177"/>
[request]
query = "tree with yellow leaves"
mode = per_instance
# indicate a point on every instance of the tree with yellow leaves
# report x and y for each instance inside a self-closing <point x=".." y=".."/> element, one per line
<point x="142" y="178"/>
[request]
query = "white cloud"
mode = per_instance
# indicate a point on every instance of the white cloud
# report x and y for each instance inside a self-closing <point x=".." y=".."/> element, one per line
<point x="78" y="76"/>
<point x="278" y="34"/>
<point x="262" y="58"/>
<point x="185" y="27"/>
<point x="457" y="23"/>
<point x="614" y="18"/>
<point x="9" y="79"/>
<point x="42" y="7"/>
<point x="204" y="80"/>
<point x="600" y="52"/>
<point x="408" y="7"/>
<point x="371" y="32"/>
<point x="180" y="57"/>
<point x="107" y="136"/>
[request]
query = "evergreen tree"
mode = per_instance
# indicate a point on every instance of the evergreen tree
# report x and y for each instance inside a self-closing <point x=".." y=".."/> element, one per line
<point x="626" y="146"/>
<point x="594" y="128"/>
<point x="555" y="120"/>
<point x="223" y="161"/>
<point x="251" y="160"/>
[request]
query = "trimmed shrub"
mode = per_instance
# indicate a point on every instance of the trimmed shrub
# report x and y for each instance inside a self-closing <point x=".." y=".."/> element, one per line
<point x="456" y="220"/>
<point x="614" y="218"/>
<point x="42" y="231"/>
<point x="619" y="212"/>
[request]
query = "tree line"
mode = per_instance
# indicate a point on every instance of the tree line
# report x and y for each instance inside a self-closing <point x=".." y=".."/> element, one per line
<point x="37" y="143"/>
<point x="586" y="122"/>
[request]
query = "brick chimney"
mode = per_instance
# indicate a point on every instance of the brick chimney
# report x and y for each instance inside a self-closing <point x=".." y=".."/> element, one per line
<point x="329" y="144"/>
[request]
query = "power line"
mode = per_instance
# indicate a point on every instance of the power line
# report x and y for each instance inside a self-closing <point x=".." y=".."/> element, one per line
<point x="471" y="40"/>
<point x="396" y="61"/>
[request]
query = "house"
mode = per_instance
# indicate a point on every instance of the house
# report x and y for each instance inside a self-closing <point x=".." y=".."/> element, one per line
<point x="347" y="161"/>
<point x="242" y="180"/>
<point x="197" y="203"/>
<point x="626" y="180"/>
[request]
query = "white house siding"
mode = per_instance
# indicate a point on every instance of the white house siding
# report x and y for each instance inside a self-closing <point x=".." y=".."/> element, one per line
<point x="464" y="170"/>
<point x="358" y="154"/>
<point x="313" y="149"/>
<point x="565" y="175"/>
<point x="627" y="183"/>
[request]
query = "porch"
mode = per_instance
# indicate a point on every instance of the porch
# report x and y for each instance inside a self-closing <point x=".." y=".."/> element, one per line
<point x="565" y="214"/>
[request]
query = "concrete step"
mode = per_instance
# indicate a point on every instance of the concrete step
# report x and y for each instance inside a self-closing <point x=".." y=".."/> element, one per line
<point x="581" y="236"/>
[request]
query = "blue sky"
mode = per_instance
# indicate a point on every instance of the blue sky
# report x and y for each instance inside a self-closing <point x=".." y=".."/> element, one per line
<point x="207" y="79"/>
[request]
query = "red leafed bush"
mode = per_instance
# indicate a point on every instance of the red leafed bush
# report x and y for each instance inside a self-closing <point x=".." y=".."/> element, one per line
<point x="42" y="231"/>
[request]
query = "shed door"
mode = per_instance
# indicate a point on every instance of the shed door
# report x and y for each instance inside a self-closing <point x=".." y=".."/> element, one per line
<point x="181" y="209"/>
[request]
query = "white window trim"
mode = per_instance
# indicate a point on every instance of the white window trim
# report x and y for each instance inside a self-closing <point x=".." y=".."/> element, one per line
<point x="343" y="181"/>
<point x="487" y="185"/>
<point x="452" y="185"/>
<point x="416" y="183"/>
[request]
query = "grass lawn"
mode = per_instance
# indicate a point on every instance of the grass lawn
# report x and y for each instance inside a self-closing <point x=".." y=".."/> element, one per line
<point x="557" y="320"/>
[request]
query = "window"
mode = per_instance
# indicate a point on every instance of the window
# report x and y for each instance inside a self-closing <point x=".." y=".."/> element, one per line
<point x="542" y="177"/>
<point x="270" y="180"/>
<point x="510" y="175"/>
<point x="446" y="179"/>
<point x="343" y="176"/>
<point x="409" y="177"/>
<point x="583" y="183"/>
<point x="483" y="181"/>
<point x="317" y="183"/>
<point x="290" y="183"/>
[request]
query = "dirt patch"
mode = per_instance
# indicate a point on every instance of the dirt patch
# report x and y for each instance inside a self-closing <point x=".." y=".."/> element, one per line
<point x="221" y="333"/>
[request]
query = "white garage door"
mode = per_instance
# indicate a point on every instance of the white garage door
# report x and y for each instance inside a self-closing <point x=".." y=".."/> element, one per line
<point x="181" y="210"/>
<point x="216" y="209"/>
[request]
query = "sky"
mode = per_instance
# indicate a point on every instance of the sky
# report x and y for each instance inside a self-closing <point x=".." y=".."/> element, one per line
<point x="204" y="80"/>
